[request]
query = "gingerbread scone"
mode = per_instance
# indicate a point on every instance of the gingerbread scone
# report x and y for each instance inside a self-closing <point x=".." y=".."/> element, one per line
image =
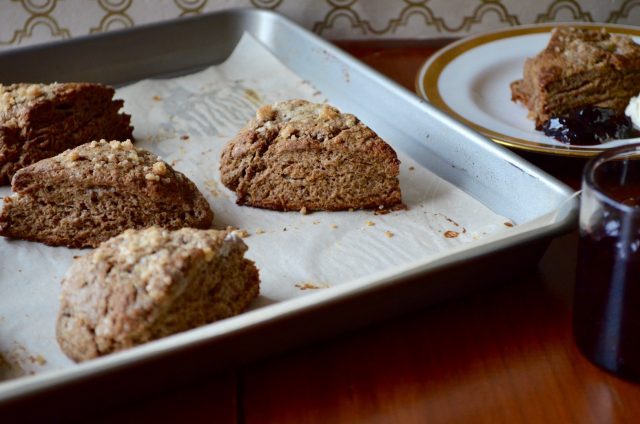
<point x="146" y="284"/>
<point x="579" y="67"/>
<point x="86" y="195"/>
<point x="297" y="155"/>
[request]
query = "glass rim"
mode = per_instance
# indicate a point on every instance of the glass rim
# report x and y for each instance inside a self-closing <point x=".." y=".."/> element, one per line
<point x="589" y="180"/>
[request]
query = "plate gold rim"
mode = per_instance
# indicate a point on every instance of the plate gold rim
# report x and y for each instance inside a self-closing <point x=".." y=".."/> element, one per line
<point x="427" y="82"/>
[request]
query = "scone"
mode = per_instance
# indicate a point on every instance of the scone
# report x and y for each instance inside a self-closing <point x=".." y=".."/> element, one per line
<point x="146" y="284"/>
<point x="38" y="121"/>
<point x="579" y="67"/>
<point x="299" y="155"/>
<point x="86" y="195"/>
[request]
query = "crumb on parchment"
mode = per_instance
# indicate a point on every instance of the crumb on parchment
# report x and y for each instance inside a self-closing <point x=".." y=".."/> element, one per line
<point x="389" y="234"/>
<point x="242" y="233"/>
<point x="212" y="186"/>
<point x="308" y="285"/>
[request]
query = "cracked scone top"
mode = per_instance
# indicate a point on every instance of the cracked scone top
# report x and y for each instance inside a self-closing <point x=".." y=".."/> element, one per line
<point x="296" y="154"/>
<point x="38" y="121"/>
<point x="86" y="195"/>
<point x="147" y="284"/>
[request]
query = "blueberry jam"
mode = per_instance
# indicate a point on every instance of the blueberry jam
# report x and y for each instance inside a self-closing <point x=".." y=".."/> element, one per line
<point x="588" y="126"/>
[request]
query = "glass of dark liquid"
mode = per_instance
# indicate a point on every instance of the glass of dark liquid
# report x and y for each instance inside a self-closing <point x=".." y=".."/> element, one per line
<point x="606" y="315"/>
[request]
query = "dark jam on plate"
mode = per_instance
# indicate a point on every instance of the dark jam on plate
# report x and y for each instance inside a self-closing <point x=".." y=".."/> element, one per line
<point x="589" y="126"/>
<point x="607" y="295"/>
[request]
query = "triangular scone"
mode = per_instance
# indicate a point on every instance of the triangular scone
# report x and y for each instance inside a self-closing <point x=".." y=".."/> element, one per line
<point x="579" y="67"/>
<point x="38" y="121"/>
<point x="147" y="284"/>
<point x="86" y="195"/>
<point x="296" y="154"/>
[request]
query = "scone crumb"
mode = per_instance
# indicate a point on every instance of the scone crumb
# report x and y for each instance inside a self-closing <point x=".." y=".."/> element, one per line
<point x="304" y="211"/>
<point x="159" y="168"/>
<point x="308" y="285"/>
<point x="242" y="233"/>
<point x="38" y="359"/>
<point x="411" y="168"/>
<point x="388" y="234"/>
<point x="260" y="231"/>
<point x="157" y="98"/>
<point x="334" y="226"/>
<point x="152" y="177"/>
<point x="370" y="223"/>
<point x="212" y="186"/>
<point x="508" y="224"/>
<point x="451" y="234"/>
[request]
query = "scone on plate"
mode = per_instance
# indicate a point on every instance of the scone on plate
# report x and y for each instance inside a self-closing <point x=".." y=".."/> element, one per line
<point x="86" y="195"/>
<point x="299" y="155"/>
<point x="146" y="284"/>
<point x="579" y="67"/>
<point x="38" y="121"/>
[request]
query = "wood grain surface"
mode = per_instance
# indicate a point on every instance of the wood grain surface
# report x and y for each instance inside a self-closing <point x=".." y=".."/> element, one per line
<point x="505" y="355"/>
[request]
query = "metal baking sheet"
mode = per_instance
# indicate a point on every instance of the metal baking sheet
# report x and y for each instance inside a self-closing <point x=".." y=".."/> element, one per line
<point x="496" y="177"/>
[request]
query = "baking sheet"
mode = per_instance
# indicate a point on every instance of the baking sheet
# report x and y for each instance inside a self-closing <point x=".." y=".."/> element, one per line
<point x="187" y="121"/>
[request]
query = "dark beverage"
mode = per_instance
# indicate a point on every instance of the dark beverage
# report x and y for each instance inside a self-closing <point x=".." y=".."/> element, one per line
<point x="607" y="295"/>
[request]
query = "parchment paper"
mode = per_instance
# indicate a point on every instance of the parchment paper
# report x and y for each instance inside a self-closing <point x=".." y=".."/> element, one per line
<point x="187" y="121"/>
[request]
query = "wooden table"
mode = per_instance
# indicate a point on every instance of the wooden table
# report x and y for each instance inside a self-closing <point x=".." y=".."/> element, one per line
<point x="503" y="355"/>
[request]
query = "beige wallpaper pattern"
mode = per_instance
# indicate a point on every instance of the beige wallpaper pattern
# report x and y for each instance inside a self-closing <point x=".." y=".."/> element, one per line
<point x="24" y="22"/>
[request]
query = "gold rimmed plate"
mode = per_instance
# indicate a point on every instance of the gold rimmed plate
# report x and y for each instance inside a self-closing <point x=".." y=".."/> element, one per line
<point x="469" y="79"/>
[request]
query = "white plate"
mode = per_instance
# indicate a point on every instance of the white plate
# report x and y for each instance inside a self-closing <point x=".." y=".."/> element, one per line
<point x="470" y="79"/>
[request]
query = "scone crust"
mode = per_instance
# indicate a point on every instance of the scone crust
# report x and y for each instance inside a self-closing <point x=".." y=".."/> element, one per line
<point x="579" y="67"/>
<point x="293" y="130"/>
<point x="103" y="165"/>
<point x="140" y="286"/>
<point x="38" y="121"/>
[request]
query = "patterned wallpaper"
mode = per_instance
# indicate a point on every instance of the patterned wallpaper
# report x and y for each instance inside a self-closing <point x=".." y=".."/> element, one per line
<point x="24" y="22"/>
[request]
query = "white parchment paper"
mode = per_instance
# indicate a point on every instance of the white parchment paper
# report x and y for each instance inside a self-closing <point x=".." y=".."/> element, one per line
<point x="187" y="121"/>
